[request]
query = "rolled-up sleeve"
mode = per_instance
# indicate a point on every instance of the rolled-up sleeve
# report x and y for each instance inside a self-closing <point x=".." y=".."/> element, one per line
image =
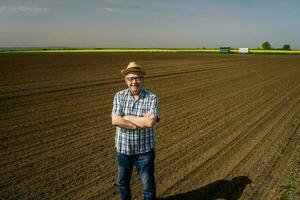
<point x="117" y="105"/>
<point x="154" y="108"/>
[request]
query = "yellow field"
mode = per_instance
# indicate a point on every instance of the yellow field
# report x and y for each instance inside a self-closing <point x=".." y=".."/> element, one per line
<point x="270" y="51"/>
<point x="148" y="51"/>
<point x="114" y="51"/>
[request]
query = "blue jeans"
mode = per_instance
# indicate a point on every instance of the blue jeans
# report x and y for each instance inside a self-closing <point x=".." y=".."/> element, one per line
<point x="144" y="164"/>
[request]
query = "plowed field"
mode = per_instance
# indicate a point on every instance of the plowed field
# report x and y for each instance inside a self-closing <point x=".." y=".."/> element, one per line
<point x="229" y="125"/>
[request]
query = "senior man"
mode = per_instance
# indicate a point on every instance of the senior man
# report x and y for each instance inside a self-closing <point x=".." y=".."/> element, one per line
<point x="135" y="113"/>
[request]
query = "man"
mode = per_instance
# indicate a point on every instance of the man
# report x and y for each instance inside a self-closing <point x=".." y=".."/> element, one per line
<point x="135" y="113"/>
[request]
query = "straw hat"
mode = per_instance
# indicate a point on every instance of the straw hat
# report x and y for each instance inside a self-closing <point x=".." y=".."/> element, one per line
<point x="132" y="67"/>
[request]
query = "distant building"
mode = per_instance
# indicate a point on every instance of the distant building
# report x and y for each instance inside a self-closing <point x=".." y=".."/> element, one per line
<point x="244" y="50"/>
<point x="224" y="49"/>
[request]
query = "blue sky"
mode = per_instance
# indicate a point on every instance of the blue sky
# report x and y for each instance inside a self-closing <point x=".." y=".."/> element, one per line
<point x="149" y="23"/>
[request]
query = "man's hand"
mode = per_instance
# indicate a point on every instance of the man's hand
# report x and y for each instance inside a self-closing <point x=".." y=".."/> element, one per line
<point x="148" y="114"/>
<point x="126" y="118"/>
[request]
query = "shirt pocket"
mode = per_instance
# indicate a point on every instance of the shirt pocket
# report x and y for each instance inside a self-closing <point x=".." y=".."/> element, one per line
<point x="142" y="110"/>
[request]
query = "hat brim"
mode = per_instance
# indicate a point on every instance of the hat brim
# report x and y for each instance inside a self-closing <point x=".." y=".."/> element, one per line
<point x="126" y="71"/>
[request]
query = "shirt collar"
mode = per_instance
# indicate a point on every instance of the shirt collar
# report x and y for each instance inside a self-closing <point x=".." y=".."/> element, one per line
<point x="142" y="93"/>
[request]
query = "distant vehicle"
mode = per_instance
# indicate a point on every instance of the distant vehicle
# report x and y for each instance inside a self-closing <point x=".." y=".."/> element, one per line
<point x="244" y="50"/>
<point x="224" y="49"/>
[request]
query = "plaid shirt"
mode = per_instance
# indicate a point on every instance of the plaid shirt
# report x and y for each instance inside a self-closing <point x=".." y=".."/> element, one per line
<point x="128" y="141"/>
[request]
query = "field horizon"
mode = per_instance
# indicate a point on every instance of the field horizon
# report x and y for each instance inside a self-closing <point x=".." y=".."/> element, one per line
<point x="142" y="50"/>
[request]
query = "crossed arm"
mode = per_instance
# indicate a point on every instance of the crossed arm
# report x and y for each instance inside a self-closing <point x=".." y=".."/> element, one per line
<point x="133" y="122"/>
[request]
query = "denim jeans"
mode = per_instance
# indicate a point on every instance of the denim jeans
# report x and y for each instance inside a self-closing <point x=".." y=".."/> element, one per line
<point x="144" y="164"/>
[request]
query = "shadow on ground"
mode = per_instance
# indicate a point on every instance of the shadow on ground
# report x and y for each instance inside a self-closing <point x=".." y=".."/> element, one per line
<point x="222" y="189"/>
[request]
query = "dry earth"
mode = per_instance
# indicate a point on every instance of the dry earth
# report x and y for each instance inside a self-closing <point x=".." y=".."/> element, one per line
<point x="229" y="125"/>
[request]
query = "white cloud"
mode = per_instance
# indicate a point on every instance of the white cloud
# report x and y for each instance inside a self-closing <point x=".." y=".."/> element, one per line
<point x="109" y="9"/>
<point x="4" y="9"/>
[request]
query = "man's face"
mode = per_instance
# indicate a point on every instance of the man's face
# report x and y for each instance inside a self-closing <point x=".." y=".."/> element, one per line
<point x="134" y="81"/>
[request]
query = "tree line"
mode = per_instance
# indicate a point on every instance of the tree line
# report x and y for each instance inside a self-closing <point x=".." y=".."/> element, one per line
<point x="266" y="45"/>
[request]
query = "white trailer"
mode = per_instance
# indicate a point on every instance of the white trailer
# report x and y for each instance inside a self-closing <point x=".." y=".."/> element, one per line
<point x="244" y="50"/>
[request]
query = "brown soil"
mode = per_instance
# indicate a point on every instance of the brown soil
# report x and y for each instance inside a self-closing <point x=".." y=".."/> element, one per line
<point x="229" y="125"/>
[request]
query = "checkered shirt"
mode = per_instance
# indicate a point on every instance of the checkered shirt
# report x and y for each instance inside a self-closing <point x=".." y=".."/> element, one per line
<point x="128" y="141"/>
